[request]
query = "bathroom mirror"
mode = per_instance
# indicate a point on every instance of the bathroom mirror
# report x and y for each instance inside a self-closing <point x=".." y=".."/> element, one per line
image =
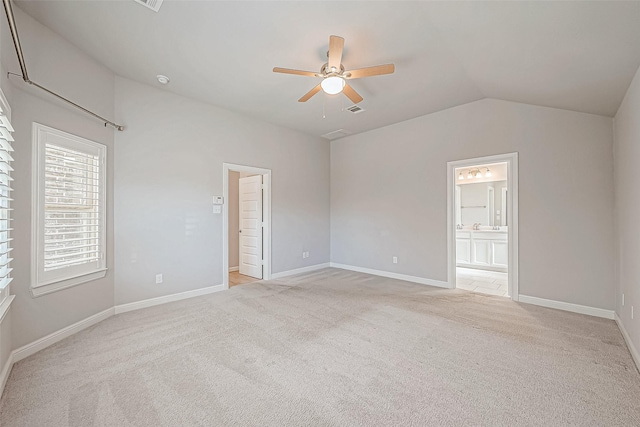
<point x="482" y="203"/>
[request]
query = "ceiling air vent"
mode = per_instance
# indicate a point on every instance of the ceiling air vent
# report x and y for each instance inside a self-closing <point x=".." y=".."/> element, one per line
<point x="336" y="134"/>
<point x="355" y="109"/>
<point x="151" y="4"/>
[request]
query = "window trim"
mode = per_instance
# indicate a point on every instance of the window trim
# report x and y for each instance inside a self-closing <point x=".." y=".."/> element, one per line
<point x="42" y="286"/>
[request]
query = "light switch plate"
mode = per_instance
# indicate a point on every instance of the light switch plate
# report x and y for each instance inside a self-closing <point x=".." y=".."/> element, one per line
<point x="217" y="209"/>
<point x="218" y="200"/>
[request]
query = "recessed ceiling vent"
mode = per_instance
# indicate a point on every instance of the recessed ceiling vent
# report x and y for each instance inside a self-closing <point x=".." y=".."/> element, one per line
<point x="151" y="4"/>
<point x="336" y="134"/>
<point x="355" y="109"/>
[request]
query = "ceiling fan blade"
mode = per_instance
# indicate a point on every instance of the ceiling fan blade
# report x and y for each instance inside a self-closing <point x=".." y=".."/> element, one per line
<point x="351" y="94"/>
<point x="290" y="71"/>
<point x="370" y="71"/>
<point x="309" y="94"/>
<point x="336" y="44"/>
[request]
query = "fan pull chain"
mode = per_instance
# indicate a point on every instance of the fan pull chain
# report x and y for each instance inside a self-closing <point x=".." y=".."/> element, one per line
<point x="324" y="101"/>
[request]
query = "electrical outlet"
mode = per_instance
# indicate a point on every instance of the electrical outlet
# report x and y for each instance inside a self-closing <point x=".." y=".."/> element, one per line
<point x="307" y="254"/>
<point x="158" y="278"/>
<point x="395" y="259"/>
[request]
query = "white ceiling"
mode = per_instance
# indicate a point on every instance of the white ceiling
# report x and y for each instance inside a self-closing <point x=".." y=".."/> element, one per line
<point x="574" y="55"/>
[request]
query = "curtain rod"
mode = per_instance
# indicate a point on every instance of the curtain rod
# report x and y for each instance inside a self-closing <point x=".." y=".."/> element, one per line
<point x="23" y="66"/>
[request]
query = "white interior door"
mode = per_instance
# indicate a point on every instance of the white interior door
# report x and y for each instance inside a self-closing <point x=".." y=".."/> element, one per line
<point x="251" y="226"/>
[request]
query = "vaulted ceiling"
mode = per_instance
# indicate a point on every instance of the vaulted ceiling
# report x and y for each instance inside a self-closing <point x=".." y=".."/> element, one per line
<point x="578" y="56"/>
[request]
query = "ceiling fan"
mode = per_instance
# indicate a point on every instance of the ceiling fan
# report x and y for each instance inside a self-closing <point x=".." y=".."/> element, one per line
<point x="334" y="75"/>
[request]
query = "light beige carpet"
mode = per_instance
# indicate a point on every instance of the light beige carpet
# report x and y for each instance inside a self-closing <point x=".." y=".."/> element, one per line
<point x="332" y="348"/>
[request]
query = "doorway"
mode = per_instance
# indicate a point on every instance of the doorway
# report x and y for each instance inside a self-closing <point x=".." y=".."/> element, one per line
<point x="246" y="224"/>
<point x="482" y="225"/>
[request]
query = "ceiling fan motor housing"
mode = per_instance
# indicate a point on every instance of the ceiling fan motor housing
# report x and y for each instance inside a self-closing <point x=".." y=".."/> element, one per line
<point x="326" y="72"/>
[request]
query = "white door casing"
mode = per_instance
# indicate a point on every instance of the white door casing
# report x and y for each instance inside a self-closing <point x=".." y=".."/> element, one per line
<point x="250" y="201"/>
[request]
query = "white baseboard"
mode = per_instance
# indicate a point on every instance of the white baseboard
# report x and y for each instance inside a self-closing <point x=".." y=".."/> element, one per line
<point x="6" y="370"/>
<point x="123" y="308"/>
<point x="299" y="270"/>
<point x="44" y="342"/>
<point x="567" y="306"/>
<point x="405" y="277"/>
<point x="632" y="349"/>
<point x="236" y="268"/>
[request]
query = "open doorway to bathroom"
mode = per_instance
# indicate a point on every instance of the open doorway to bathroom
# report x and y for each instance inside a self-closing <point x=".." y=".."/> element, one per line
<point x="483" y="225"/>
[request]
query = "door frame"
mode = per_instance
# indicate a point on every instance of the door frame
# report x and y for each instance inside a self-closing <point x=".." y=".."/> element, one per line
<point x="266" y="218"/>
<point x="512" y="205"/>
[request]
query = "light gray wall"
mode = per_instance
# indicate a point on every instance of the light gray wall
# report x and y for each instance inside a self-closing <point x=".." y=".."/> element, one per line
<point x="234" y="218"/>
<point x="168" y="167"/>
<point x="389" y="195"/>
<point x="56" y="64"/>
<point x="627" y="208"/>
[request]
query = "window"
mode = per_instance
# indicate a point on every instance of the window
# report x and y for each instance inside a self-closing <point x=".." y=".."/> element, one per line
<point x="5" y="199"/>
<point x="69" y="213"/>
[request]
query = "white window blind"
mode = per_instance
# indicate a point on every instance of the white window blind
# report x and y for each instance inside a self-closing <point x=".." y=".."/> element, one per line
<point x="70" y="218"/>
<point x="5" y="202"/>
<point x="72" y="208"/>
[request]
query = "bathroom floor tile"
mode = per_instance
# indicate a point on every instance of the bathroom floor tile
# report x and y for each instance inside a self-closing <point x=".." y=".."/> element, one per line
<point x="463" y="281"/>
<point x="466" y="287"/>
<point x="488" y="285"/>
<point x="482" y="281"/>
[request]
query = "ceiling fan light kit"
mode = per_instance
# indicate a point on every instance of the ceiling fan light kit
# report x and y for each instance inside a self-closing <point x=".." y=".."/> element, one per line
<point x="332" y="85"/>
<point x="333" y="73"/>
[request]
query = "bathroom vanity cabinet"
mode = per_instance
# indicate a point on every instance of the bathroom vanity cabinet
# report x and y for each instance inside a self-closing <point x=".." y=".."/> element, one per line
<point x="488" y="250"/>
